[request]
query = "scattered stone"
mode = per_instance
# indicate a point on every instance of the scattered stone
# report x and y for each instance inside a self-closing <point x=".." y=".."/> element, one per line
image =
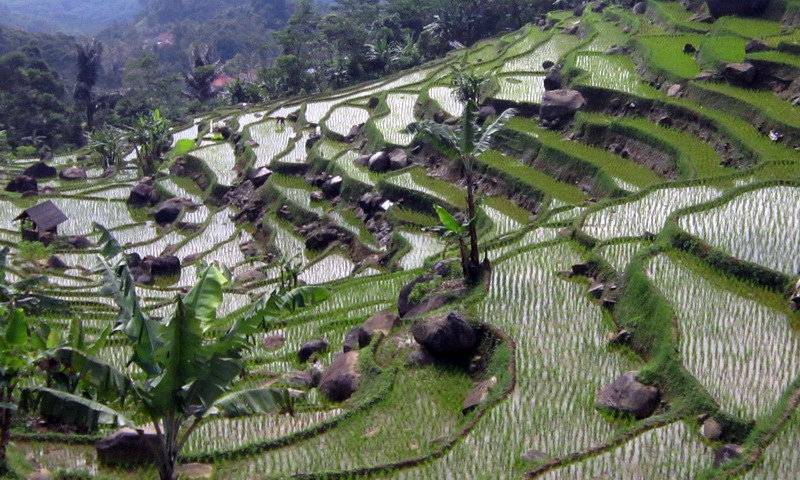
<point x="56" y="263"/>
<point x="534" y="456"/>
<point x="251" y="144"/>
<point x="598" y="7"/>
<point x="40" y="170"/>
<point x="340" y="379"/>
<point x="580" y="269"/>
<point x="689" y="49"/>
<point x="628" y="395"/>
<point x="755" y="45"/>
<point x="705" y="76"/>
<point x="445" y="334"/>
<point x="439" y="116"/>
<point x="596" y="290"/>
<point x="166" y="215"/>
<point x="379" y="162"/>
<point x="165" y="266"/>
<point x="127" y="447"/>
<point x="252" y="275"/>
<point x="711" y="429"/>
<point x="485" y="112"/>
<point x="274" y="341"/>
<point x="478" y="395"/>
<point x="356" y="339"/>
<point x="73" y="173"/>
<point x="726" y="453"/>
<point x="558" y="104"/>
<point x="317" y="196"/>
<point x="311" y="348"/>
<point x="578" y="11"/>
<point x="332" y="187"/>
<point x="362" y="160"/>
<point x="312" y="140"/>
<point x="547" y="65"/>
<point x="664" y="121"/>
<point x="431" y="304"/>
<point x="381" y="322"/>
<point x="622" y="337"/>
<point x="259" y="176"/>
<point x="775" y="136"/>
<point x="640" y="8"/>
<point x="143" y="195"/>
<point x="354" y="132"/>
<point x="573" y="30"/>
<point x="321" y="238"/>
<point x="740" y="73"/>
<point x="553" y="80"/>
<point x="420" y="357"/>
<point x="615" y="50"/>
<point x="702" y="17"/>
<point x="398" y="159"/>
<point x="23" y="184"/>
<point x="306" y="379"/>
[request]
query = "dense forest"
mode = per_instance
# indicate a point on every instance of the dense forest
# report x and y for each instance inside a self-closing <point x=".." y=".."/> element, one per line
<point x="67" y="16"/>
<point x="185" y="57"/>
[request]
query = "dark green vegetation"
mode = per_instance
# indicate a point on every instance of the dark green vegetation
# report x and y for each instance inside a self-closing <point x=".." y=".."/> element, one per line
<point x="67" y="17"/>
<point x="654" y="232"/>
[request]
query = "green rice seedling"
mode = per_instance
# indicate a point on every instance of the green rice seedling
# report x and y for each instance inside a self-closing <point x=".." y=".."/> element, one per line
<point x="756" y="226"/>
<point x="401" y="114"/>
<point x="776" y="57"/>
<point x="297" y="155"/>
<point x="532" y="38"/>
<point x="715" y="52"/>
<point x="296" y="190"/>
<point x="733" y="339"/>
<point x="680" y="455"/>
<point x="348" y="220"/>
<point x="221" y="159"/>
<point x="620" y="254"/>
<point x="764" y="101"/>
<point x="607" y="35"/>
<point x="344" y="117"/>
<point x="780" y="460"/>
<point x="665" y="55"/>
<point x="522" y="88"/>
<point x="331" y="267"/>
<point x="112" y="213"/>
<point x="613" y="73"/>
<point x="552" y="407"/>
<point x="444" y="97"/>
<point x="748" y="27"/>
<point x="328" y="148"/>
<point x="272" y="140"/>
<point x="506" y="216"/>
<point x="423" y="246"/>
<point x="417" y="180"/>
<point x="676" y="17"/>
<point x="553" y="50"/>
<point x="646" y="214"/>
<point x="512" y="167"/>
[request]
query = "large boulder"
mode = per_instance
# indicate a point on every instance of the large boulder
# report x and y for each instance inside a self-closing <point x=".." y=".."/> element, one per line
<point x="73" y="173"/>
<point x="143" y="195"/>
<point x="41" y="170"/>
<point x="628" y="395"/>
<point x="340" y="379"/>
<point x="486" y="112"/>
<point x="311" y="348"/>
<point x="379" y="162"/>
<point x="740" y="73"/>
<point x="640" y="8"/>
<point x="127" y="447"/>
<point x="721" y="8"/>
<point x="322" y="238"/>
<point x="559" y="104"/>
<point x="166" y="215"/>
<point x="259" y="176"/>
<point x="23" y="184"/>
<point x="79" y="242"/>
<point x="445" y="334"/>
<point x="354" y="132"/>
<point x="398" y="159"/>
<point x="553" y="80"/>
<point x="332" y="187"/>
<point x="166" y="266"/>
<point x="381" y="322"/>
<point x="356" y="339"/>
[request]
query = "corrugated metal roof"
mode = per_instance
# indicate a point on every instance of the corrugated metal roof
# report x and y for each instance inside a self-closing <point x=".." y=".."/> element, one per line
<point x="46" y="215"/>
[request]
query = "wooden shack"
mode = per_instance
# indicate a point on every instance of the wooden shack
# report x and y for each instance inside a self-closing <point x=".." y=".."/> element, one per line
<point x="40" y="223"/>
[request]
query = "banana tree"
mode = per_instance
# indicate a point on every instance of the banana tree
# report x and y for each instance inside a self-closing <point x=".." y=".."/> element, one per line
<point x="18" y="354"/>
<point x="186" y="364"/>
<point x="463" y="144"/>
<point x="452" y="230"/>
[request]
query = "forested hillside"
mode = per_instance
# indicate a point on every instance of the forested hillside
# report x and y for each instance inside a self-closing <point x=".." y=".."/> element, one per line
<point x="67" y="16"/>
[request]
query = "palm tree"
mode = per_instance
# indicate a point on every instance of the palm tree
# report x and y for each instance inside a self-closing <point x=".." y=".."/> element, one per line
<point x="88" y="57"/>
<point x="463" y="144"/>
<point x="185" y="378"/>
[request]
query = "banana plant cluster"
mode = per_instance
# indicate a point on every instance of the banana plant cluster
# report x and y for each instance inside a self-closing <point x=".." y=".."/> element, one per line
<point x="182" y="368"/>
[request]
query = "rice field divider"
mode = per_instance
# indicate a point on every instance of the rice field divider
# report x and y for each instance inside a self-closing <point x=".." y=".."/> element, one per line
<point x="741" y="269"/>
<point x="420" y="191"/>
<point x="693" y="157"/>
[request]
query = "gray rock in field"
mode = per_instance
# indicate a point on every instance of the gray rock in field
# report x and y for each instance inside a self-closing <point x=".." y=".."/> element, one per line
<point x="559" y="104"/>
<point x="341" y="378"/>
<point x="398" y="159"/>
<point x="274" y="341"/>
<point x="23" y="184"/>
<point x="726" y="453"/>
<point x="445" y="334"/>
<point x="362" y="160"/>
<point x="712" y="429"/>
<point x="259" y="176"/>
<point x="321" y="238"/>
<point x="73" y="173"/>
<point x="356" y="339"/>
<point x="40" y="170"/>
<point x="486" y="111"/>
<point x="381" y="322"/>
<point x="628" y="395"/>
<point x="478" y="395"/>
<point x="166" y="215"/>
<point x="640" y="8"/>
<point x="379" y="162"/>
<point x="754" y="46"/>
<point x="332" y="187"/>
<point x="420" y="357"/>
<point x="126" y="447"/>
<point x="311" y="348"/>
<point x="740" y="73"/>
<point x="143" y="195"/>
<point x="553" y="80"/>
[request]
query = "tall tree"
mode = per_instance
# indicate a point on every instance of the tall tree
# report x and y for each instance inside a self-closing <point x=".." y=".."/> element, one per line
<point x="88" y="57"/>
<point x="199" y="80"/>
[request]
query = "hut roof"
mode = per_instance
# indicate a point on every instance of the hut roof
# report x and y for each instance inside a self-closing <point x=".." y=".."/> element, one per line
<point x="46" y="215"/>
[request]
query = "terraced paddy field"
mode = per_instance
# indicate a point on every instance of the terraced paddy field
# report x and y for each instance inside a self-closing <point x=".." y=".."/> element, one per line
<point x="654" y="232"/>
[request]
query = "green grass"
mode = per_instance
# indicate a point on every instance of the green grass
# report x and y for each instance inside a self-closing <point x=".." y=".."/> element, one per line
<point x="715" y="52"/>
<point x="776" y="57"/>
<point x="612" y="73"/>
<point x="765" y="101"/>
<point x="665" y="56"/>
<point x="675" y="17"/>
<point x="748" y="27"/>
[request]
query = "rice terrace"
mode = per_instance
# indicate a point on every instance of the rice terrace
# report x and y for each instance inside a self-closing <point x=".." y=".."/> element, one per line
<point x="569" y="252"/>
